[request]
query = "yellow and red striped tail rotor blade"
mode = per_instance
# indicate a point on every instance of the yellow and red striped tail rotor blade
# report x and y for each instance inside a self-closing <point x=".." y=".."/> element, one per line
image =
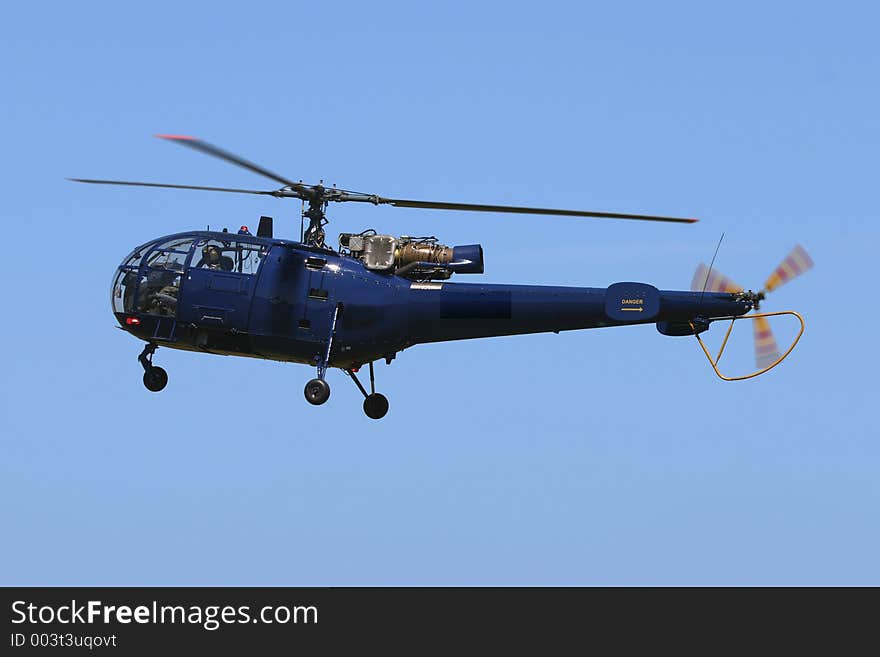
<point x="795" y="264"/>
<point x="766" y="349"/>
<point x="712" y="281"/>
<point x="699" y="277"/>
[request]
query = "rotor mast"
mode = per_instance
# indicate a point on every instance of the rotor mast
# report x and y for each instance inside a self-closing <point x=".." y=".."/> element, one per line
<point x="316" y="214"/>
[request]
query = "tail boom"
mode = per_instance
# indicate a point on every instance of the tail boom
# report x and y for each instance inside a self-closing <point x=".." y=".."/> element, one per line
<point x="457" y="311"/>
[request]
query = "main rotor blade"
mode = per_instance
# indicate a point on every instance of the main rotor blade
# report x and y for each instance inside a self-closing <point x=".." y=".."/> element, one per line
<point x="216" y="151"/>
<point x="712" y="281"/>
<point x="766" y="349"/>
<point x="278" y="193"/>
<point x="439" y="205"/>
<point x="795" y="263"/>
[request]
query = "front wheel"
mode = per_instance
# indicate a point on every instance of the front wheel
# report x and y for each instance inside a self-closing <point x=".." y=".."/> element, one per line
<point x="317" y="391"/>
<point x="155" y="379"/>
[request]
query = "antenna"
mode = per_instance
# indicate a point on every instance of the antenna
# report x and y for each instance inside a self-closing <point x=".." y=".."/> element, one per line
<point x="709" y="273"/>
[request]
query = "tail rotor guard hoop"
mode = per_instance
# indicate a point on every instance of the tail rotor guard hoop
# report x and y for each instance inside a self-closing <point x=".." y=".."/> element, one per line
<point x="733" y="319"/>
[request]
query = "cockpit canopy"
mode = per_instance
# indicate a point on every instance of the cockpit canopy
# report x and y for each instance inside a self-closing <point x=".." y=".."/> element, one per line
<point x="149" y="280"/>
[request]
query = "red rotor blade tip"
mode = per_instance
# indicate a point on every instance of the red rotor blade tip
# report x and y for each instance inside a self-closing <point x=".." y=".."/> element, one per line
<point x="180" y="137"/>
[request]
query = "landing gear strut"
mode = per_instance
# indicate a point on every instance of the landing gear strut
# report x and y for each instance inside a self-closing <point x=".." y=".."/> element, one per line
<point x="155" y="378"/>
<point x="317" y="391"/>
<point x="375" y="403"/>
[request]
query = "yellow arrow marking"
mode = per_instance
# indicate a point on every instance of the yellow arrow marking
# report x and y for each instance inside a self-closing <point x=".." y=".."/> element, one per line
<point x="637" y="310"/>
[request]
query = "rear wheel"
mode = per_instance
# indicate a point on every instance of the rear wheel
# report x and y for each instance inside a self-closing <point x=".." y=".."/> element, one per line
<point x="155" y="379"/>
<point x="376" y="406"/>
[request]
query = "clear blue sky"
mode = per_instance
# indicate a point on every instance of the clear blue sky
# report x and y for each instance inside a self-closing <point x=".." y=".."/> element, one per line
<point x="596" y="457"/>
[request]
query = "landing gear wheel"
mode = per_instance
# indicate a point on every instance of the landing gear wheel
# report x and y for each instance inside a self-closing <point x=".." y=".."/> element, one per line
<point x="317" y="391"/>
<point x="155" y="379"/>
<point x="376" y="406"/>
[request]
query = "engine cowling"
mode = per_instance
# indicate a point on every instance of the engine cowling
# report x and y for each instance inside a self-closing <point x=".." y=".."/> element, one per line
<point x="422" y="257"/>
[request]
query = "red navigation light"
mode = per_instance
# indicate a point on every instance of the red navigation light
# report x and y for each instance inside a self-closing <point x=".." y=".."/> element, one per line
<point x="132" y="321"/>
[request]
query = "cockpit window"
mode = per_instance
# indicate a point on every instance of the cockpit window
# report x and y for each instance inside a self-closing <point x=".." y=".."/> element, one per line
<point x="158" y="292"/>
<point x="168" y="260"/>
<point x="180" y="244"/>
<point x="213" y="254"/>
<point x="160" y="278"/>
<point x="124" y="287"/>
<point x="248" y="257"/>
<point x="134" y="260"/>
<point x="233" y="256"/>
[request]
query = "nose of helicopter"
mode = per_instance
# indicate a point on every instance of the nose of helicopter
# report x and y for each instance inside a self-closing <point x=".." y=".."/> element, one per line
<point x="122" y="292"/>
<point x="146" y="283"/>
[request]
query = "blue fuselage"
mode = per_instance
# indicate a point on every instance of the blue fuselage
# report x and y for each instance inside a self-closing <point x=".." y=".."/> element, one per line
<point x="280" y="303"/>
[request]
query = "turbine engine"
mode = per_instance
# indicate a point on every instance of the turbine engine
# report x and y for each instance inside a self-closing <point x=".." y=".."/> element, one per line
<point x="421" y="258"/>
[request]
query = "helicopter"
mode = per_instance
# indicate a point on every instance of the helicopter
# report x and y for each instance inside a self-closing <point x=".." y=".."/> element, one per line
<point x="260" y="296"/>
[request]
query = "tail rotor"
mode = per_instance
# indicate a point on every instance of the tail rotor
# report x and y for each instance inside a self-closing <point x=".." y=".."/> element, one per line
<point x="707" y="279"/>
<point x="795" y="263"/>
<point x="766" y="349"/>
<point x="712" y="280"/>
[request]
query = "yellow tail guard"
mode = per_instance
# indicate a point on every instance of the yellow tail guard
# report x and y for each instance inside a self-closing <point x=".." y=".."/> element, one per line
<point x="767" y="354"/>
